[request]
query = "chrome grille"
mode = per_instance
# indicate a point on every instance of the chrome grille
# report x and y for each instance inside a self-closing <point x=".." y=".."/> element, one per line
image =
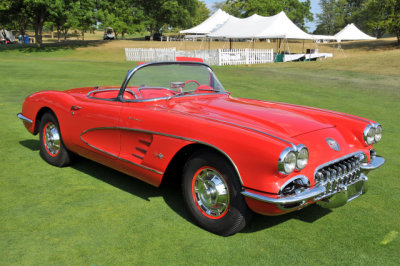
<point x="338" y="175"/>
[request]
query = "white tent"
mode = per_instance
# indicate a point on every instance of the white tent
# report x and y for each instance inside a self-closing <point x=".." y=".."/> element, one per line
<point x="212" y="23"/>
<point x="352" y="33"/>
<point x="275" y="27"/>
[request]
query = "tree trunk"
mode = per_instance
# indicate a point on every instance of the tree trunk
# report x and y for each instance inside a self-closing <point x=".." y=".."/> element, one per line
<point x="151" y="32"/>
<point x="398" y="37"/>
<point x="58" y="34"/>
<point x="123" y="33"/>
<point x="22" y="32"/>
<point x="38" y="35"/>
<point x="38" y="25"/>
<point x="65" y="34"/>
<point x="83" y="35"/>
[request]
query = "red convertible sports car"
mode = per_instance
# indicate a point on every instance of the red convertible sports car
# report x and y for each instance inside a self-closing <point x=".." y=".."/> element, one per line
<point x="233" y="156"/>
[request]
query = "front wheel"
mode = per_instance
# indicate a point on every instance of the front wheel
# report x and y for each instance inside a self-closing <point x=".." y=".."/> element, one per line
<point x="211" y="190"/>
<point x="52" y="148"/>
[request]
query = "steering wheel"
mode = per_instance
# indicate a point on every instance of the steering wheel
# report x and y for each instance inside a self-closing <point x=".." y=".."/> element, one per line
<point x="192" y="80"/>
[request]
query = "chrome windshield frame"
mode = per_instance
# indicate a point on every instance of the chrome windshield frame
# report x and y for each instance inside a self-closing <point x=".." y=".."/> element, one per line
<point x="134" y="70"/>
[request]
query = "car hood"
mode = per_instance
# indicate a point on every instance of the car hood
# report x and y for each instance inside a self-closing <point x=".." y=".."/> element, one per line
<point x="267" y="117"/>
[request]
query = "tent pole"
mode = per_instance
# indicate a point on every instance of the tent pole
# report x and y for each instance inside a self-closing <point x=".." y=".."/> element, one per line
<point x="230" y="44"/>
<point x="303" y="48"/>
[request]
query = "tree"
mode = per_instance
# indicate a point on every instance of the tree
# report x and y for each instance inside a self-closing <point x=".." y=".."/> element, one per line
<point x="60" y="16"/>
<point x="387" y="17"/>
<point x="120" y="15"/>
<point x="173" y="13"/>
<point x="38" y="11"/>
<point x="332" y="18"/>
<point x="297" y="11"/>
<point x="202" y="13"/>
<point x="82" y="15"/>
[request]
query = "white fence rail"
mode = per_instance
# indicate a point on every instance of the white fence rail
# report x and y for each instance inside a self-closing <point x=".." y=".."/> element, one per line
<point x="150" y="54"/>
<point x="212" y="57"/>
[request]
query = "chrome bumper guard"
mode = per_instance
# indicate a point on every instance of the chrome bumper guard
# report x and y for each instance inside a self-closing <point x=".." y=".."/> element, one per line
<point x="23" y="118"/>
<point x="375" y="162"/>
<point x="343" y="194"/>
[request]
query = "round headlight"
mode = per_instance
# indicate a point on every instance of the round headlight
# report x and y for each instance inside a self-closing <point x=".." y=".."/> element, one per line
<point x="378" y="132"/>
<point x="287" y="161"/>
<point x="369" y="134"/>
<point x="302" y="157"/>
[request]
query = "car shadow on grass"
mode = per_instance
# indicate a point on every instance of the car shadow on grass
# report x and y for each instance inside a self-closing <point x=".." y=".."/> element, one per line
<point x="309" y="214"/>
<point x="171" y="193"/>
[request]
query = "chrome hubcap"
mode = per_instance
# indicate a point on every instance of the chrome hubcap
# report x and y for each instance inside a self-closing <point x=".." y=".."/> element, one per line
<point x="211" y="192"/>
<point x="52" y="139"/>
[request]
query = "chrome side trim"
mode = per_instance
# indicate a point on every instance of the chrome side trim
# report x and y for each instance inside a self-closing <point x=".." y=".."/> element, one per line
<point x="236" y="125"/>
<point x="23" y="118"/>
<point x="298" y="198"/>
<point x="160" y="134"/>
<point x="116" y="156"/>
<point x="375" y="162"/>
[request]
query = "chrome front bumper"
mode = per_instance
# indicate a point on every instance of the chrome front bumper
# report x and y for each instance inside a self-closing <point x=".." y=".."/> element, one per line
<point x="342" y="195"/>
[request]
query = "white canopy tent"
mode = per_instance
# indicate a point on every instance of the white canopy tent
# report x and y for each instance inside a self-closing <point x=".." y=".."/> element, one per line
<point x="258" y="27"/>
<point x="215" y="21"/>
<point x="352" y="33"/>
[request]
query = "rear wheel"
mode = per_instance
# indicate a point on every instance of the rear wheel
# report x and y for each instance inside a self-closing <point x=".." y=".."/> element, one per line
<point x="52" y="148"/>
<point x="211" y="190"/>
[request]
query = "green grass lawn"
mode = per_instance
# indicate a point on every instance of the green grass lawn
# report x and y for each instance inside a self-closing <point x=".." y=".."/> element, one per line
<point x="89" y="214"/>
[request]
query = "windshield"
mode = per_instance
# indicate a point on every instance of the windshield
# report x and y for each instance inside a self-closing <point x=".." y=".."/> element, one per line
<point x="173" y="79"/>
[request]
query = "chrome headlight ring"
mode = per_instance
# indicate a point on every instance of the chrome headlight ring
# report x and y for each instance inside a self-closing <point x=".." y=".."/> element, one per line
<point x="372" y="133"/>
<point x="292" y="158"/>
<point x="378" y="132"/>
<point x="287" y="161"/>
<point x="302" y="157"/>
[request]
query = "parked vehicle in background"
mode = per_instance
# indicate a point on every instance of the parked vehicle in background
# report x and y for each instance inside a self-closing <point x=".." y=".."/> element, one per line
<point x="232" y="156"/>
<point x="109" y="34"/>
<point x="6" y="37"/>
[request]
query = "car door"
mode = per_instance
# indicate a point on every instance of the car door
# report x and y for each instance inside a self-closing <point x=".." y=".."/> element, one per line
<point x="95" y="129"/>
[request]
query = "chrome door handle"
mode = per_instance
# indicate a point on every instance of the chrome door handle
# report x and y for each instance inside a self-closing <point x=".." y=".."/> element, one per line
<point x="75" y="108"/>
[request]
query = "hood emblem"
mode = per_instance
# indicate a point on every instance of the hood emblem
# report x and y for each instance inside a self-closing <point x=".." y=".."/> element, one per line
<point x="333" y="144"/>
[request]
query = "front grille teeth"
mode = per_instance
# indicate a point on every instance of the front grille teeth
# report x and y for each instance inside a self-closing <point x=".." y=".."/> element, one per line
<point x="338" y="175"/>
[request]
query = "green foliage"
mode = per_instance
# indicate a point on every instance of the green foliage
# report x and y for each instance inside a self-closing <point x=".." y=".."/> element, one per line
<point x="388" y="16"/>
<point x="123" y="16"/>
<point x="202" y="13"/>
<point x="168" y="13"/>
<point x="298" y="11"/>
<point x="332" y="17"/>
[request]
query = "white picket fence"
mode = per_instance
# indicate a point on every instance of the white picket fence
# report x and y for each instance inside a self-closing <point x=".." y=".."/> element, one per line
<point x="212" y="57"/>
<point x="150" y="54"/>
<point x="245" y="56"/>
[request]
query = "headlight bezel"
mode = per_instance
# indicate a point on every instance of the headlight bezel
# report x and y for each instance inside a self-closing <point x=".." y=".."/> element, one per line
<point x="289" y="159"/>
<point x="301" y="148"/>
<point x="372" y="133"/>
<point x="284" y="157"/>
